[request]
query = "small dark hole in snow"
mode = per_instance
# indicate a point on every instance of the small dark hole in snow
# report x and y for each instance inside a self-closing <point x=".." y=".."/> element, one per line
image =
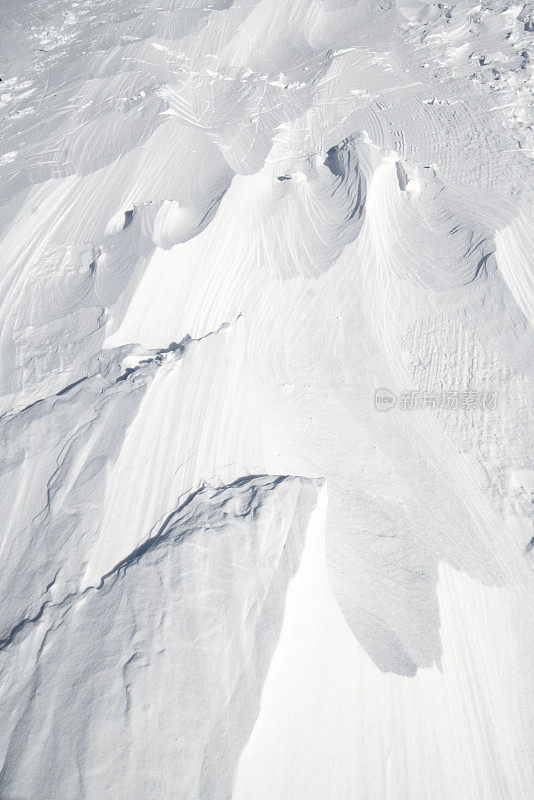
<point x="402" y="177"/>
<point x="128" y="216"/>
<point x="334" y="162"/>
<point x="127" y="371"/>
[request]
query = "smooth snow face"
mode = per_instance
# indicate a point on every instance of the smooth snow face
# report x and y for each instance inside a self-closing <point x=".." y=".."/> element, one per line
<point x="324" y="695"/>
<point x="225" y="226"/>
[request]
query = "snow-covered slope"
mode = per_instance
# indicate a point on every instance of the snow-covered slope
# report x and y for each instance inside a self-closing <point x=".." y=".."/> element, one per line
<point x="228" y="231"/>
<point x="146" y="685"/>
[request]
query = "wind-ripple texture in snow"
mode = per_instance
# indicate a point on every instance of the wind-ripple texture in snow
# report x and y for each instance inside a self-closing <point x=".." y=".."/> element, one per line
<point x="224" y="225"/>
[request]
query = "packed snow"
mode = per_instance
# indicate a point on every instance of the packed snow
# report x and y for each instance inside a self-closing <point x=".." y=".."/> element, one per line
<point x="266" y="400"/>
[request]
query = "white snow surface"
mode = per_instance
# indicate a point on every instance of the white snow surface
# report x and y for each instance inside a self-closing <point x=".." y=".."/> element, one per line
<point x="226" y="574"/>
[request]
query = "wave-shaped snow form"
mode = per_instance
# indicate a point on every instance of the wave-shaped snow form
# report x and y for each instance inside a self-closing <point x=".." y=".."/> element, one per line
<point x="172" y="646"/>
<point x="224" y="226"/>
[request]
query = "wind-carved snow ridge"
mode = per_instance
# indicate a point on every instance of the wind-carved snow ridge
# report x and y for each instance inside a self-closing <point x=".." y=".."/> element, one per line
<point x="55" y="456"/>
<point x="179" y="634"/>
<point x="228" y="232"/>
